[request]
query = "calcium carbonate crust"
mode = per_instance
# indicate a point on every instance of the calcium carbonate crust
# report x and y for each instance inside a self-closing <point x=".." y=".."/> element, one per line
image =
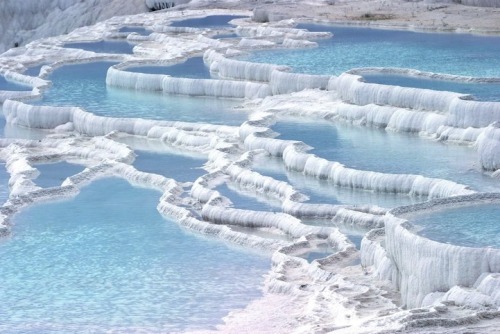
<point x="333" y="293"/>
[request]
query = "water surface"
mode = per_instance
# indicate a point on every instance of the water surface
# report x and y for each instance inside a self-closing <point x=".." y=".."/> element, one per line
<point x="211" y="21"/>
<point x="34" y="71"/>
<point x="469" y="225"/>
<point x="12" y="86"/>
<point x="103" y="46"/>
<point x="356" y="47"/>
<point x="324" y="192"/>
<point x="84" y="85"/>
<point x="193" y="67"/>
<point x="139" y="30"/>
<point x="388" y="152"/>
<point x="54" y="174"/>
<point x="106" y="261"/>
<point x="182" y="168"/>
<point x="480" y="91"/>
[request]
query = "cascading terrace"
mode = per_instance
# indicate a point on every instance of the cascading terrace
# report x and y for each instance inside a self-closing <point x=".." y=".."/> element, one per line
<point x="332" y="289"/>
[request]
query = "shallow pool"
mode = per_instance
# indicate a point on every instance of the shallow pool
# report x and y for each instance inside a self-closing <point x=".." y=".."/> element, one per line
<point x="356" y="47"/>
<point x="34" y="71"/>
<point x="480" y="91"/>
<point x="54" y="174"/>
<point x="88" y="265"/>
<point x="138" y="30"/>
<point x="324" y="192"/>
<point x="468" y="225"/>
<point x="84" y="85"/>
<point x="13" y="86"/>
<point x="103" y="46"/>
<point x="182" y="168"/>
<point x="211" y="21"/>
<point x="224" y="36"/>
<point x="193" y="67"/>
<point x="389" y="152"/>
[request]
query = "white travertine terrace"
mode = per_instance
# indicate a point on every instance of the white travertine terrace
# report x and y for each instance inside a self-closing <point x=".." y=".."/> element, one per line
<point x="333" y="293"/>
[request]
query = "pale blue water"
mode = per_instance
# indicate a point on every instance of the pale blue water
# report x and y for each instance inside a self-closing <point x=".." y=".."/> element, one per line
<point x="139" y="30"/>
<point x="353" y="47"/>
<point x="480" y="91"/>
<point x="53" y="174"/>
<point x="212" y="21"/>
<point x="87" y="265"/>
<point x="192" y="68"/>
<point x="247" y="200"/>
<point x="321" y="191"/>
<point x="319" y="252"/>
<point x="182" y="168"/>
<point x="11" y="85"/>
<point x="34" y="71"/>
<point x="471" y="226"/>
<point x="103" y="46"/>
<point x="356" y="239"/>
<point x="84" y="85"/>
<point x="224" y="36"/>
<point x="388" y="152"/>
<point x="13" y="131"/>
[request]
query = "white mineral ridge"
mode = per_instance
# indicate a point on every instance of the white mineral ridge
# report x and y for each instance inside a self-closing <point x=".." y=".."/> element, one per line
<point x="24" y="21"/>
<point x="325" y="295"/>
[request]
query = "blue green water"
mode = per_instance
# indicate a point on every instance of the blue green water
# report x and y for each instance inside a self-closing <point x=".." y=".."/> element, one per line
<point x="323" y="192"/>
<point x="193" y="67"/>
<point x="480" y="91"/>
<point x="182" y="168"/>
<point x="211" y="21"/>
<point x="139" y="30"/>
<point x="471" y="226"/>
<point x="89" y="265"/>
<point x="353" y="47"/>
<point x="224" y="36"/>
<point x="84" y="85"/>
<point x="53" y="174"/>
<point x="103" y="46"/>
<point x="389" y="152"/>
<point x="34" y="71"/>
<point x="11" y="85"/>
<point x="247" y="200"/>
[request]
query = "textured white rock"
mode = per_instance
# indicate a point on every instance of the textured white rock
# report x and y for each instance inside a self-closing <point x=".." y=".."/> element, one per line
<point x="24" y="21"/>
